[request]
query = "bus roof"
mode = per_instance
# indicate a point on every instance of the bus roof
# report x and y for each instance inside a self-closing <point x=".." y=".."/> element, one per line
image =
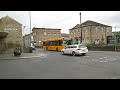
<point x="55" y="39"/>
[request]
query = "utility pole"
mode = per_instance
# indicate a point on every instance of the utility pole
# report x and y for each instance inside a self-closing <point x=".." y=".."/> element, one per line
<point x="23" y="39"/>
<point x="81" y="27"/>
<point x="30" y="20"/>
<point x="115" y="39"/>
<point x="30" y="30"/>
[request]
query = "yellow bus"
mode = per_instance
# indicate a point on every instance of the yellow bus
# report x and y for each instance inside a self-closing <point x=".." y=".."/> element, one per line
<point x="56" y="44"/>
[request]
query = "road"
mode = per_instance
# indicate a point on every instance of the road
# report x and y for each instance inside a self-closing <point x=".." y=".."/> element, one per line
<point x="53" y="65"/>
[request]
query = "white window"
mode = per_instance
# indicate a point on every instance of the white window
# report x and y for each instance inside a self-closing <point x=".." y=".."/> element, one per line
<point x="102" y="29"/>
<point x="32" y="38"/>
<point x="34" y="34"/>
<point x="5" y="30"/>
<point x="108" y="30"/>
<point x="44" y="33"/>
<point x="76" y="30"/>
<point x="96" y="29"/>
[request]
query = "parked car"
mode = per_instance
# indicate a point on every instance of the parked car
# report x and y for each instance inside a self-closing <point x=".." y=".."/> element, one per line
<point x="74" y="50"/>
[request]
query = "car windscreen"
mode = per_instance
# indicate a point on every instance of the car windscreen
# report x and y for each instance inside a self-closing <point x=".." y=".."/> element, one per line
<point x="73" y="46"/>
<point x="82" y="46"/>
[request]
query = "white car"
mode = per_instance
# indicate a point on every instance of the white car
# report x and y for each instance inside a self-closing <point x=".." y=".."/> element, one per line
<point x="74" y="50"/>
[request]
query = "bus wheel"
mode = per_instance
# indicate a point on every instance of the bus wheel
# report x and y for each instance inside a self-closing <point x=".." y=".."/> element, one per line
<point x="57" y="49"/>
<point x="47" y="48"/>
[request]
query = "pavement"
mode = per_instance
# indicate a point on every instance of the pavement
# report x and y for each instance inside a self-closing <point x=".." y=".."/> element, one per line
<point x="35" y="53"/>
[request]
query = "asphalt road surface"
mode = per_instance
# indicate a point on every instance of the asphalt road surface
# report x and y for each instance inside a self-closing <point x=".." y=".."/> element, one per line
<point x="53" y="65"/>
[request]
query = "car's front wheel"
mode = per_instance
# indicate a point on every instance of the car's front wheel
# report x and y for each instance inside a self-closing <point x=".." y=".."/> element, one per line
<point x="83" y="54"/>
<point x="62" y="53"/>
<point x="73" y="53"/>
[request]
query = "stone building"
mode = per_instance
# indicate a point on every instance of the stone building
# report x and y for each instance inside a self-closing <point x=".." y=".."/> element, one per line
<point x="10" y="34"/>
<point x="27" y="40"/>
<point x="66" y="36"/>
<point x="40" y="34"/>
<point x="92" y="33"/>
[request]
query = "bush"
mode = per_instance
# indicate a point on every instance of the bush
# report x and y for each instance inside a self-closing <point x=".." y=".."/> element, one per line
<point x="17" y="51"/>
<point x="30" y="49"/>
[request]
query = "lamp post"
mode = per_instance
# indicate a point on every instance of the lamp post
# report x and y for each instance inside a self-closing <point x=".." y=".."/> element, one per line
<point x="30" y="30"/>
<point x="115" y="39"/>
<point x="81" y="27"/>
<point x="23" y="39"/>
<point x="30" y="20"/>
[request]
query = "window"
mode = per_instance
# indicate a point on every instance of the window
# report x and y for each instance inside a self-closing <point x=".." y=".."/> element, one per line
<point x="76" y="30"/>
<point x="67" y="46"/>
<point x="108" y="30"/>
<point x="58" y="33"/>
<point x="96" y="29"/>
<point x="60" y="42"/>
<point x="101" y="29"/>
<point x="49" y="33"/>
<point x="45" y="43"/>
<point x="54" y="33"/>
<point x="73" y="46"/>
<point x="44" y="33"/>
<point x="81" y="46"/>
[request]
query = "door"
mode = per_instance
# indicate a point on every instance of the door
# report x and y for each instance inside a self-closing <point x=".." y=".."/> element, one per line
<point x="66" y="50"/>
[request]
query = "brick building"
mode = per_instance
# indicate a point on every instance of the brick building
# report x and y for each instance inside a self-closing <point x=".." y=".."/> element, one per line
<point x="92" y="33"/>
<point x="40" y="34"/>
<point x="10" y="34"/>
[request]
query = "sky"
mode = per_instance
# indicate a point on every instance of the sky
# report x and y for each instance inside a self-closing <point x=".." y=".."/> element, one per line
<point x="63" y="20"/>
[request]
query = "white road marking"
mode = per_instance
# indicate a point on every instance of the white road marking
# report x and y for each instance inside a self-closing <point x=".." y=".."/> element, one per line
<point x="93" y="60"/>
<point x="111" y="78"/>
<point x="86" y="56"/>
<point x="105" y="57"/>
<point x="39" y="55"/>
<point x="103" y="61"/>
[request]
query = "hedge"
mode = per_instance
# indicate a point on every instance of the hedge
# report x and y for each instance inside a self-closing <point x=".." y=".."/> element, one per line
<point x="103" y="48"/>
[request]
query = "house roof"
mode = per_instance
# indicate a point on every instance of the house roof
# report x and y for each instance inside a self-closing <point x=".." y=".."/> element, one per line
<point x="45" y="28"/>
<point x="89" y="22"/>
<point x="65" y="35"/>
<point x="9" y="18"/>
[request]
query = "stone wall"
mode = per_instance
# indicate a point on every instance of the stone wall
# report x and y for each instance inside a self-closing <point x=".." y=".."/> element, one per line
<point x="14" y="30"/>
<point x="91" y="33"/>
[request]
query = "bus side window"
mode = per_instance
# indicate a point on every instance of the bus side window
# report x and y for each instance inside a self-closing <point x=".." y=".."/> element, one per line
<point x="60" y="42"/>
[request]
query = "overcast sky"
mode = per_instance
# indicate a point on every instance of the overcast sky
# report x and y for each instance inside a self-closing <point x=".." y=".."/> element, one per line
<point x="63" y="20"/>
